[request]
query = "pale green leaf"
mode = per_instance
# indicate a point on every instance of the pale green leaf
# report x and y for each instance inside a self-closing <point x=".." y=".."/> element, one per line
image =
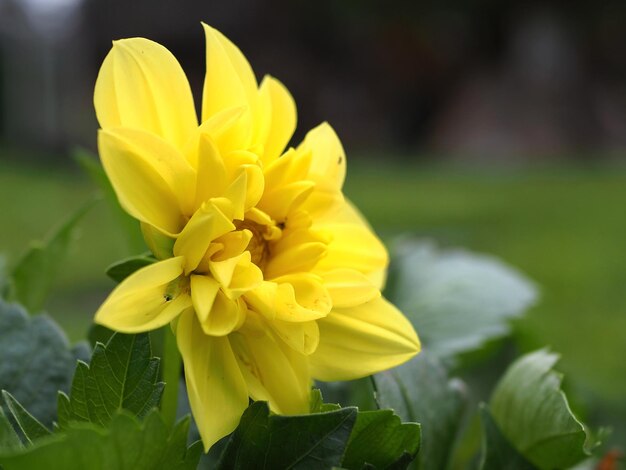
<point x="457" y="300"/>
<point x="534" y="415"/>
<point x="497" y="452"/>
<point x="35" y="360"/>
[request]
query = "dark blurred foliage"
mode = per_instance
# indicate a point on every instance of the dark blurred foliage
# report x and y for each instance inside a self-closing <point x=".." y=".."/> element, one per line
<point x="471" y="80"/>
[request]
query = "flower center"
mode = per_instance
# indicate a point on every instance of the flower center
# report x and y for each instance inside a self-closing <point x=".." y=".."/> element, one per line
<point x="259" y="246"/>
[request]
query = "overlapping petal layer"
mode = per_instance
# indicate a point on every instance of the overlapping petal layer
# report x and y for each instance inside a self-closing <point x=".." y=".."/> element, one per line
<point x="270" y="277"/>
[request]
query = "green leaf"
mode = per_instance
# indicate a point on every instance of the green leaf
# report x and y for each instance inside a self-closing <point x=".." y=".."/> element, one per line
<point x="9" y="440"/>
<point x="122" y="375"/>
<point x="28" y="424"/>
<point x="125" y="445"/>
<point x="90" y="164"/>
<point x="122" y="269"/>
<point x="35" y="360"/>
<point x="534" y="415"/>
<point x="420" y="392"/>
<point x="98" y="334"/>
<point x="318" y="405"/>
<point x="315" y="441"/>
<point x="457" y="300"/>
<point x="498" y="453"/>
<point x="380" y="439"/>
<point x="35" y="273"/>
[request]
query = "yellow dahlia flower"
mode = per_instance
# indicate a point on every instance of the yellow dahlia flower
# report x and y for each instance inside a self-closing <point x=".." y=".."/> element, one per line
<point x="269" y="277"/>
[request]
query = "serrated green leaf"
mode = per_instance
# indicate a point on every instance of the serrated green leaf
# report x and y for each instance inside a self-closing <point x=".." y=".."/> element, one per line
<point x="35" y="362"/>
<point x="125" y="445"/>
<point x="534" y="415"/>
<point x="35" y="272"/>
<point x="122" y="269"/>
<point x="379" y="438"/>
<point x="99" y="334"/>
<point x="31" y="428"/>
<point x="457" y="300"/>
<point x="122" y="375"/>
<point x="90" y="164"/>
<point x="318" y="405"/>
<point x="264" y="442"/>
<point x="420" y="392"/>
<point x="9" y="440"/>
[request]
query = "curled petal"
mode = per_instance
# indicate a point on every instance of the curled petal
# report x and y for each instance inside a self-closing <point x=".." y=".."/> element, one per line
<point x="273" y="372"/>
<point x="142" y="86"/>
<point x="217" y="390"/>
<point x="226" y="315"/>
<point x="145" y="300"/>
<point x="207" y="224"/>
<point x="360" y="341"/>
<point x="293" y="298"/>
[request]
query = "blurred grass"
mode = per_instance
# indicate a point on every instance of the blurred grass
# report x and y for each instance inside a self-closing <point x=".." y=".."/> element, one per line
<point x="563" y="227"/>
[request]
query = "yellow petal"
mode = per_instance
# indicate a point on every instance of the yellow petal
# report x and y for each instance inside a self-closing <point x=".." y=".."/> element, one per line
<point x="166" y="160"/>
<point x="226" y="316"/>
<point x="217" y="390"/>
<point x="285" y="199"/>
<point x="207" y="224"/>
<point x="145" y="301"/>
<point x="203" y="292"/>
<point x="283" y="118"/>
<point x="328" y="163"/>
<point x="223" y="270"/>
<point x="353" y="247"/>
<point x="234" y="244"/>
<point x="229" y="82"/>
<point x="138" y="183"/>
<point x="295" y="298"/>
<point x="294" y="259"/>
<point x="273" y="372"/>
<point x="142" y="86"/>
<point x="346" y="214"/>
<point x="211" y="179"/>
<point x="349" y="288"/>
<point x="303" y="336"/>
<point x="360" y="341"/>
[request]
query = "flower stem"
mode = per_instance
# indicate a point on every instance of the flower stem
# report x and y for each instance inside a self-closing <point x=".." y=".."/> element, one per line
<point x="171" y="376"/>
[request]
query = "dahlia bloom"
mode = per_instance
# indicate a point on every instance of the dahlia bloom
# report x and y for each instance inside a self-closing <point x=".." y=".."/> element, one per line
<point x="268" y="276"/>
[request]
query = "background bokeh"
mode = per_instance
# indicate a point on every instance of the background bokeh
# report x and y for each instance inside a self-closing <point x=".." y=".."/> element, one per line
<point x="497" y="126"/>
